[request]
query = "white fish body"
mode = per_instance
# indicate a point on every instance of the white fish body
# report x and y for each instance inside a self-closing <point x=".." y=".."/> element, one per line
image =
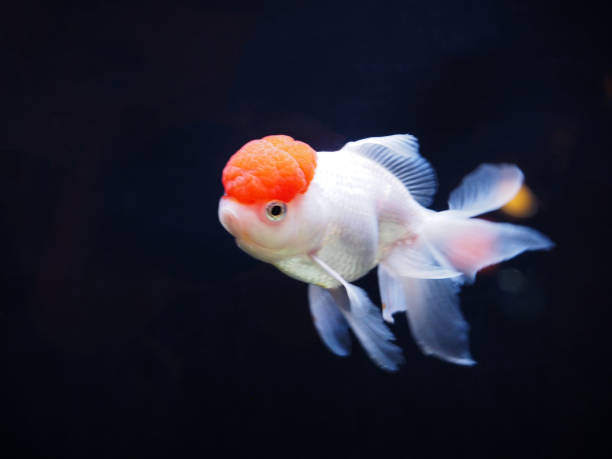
<point x="366" y="211"/>
<point x="365" y="207"/>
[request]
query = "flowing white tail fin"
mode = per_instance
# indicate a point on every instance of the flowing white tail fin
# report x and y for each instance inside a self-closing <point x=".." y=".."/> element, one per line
<point x="468" y="245"/>
<point x="423" y="279"/>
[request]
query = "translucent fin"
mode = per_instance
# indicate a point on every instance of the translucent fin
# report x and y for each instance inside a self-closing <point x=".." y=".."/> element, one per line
<point x="435" y="319"/>
<point x="468" y="245"/>
<point x="400" y="155"/>
<point x="488" y="188"/>
<point x="432" y="307"/>
<point x="416" y="260"/>
<point x="391" y="294"/>
<point x="407" y="260"/>
<point x="329" y="321"/>
<point x="366" y="321"/>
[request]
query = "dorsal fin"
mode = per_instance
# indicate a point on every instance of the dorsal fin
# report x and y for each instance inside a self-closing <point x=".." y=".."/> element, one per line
<point x="400" y="155"/>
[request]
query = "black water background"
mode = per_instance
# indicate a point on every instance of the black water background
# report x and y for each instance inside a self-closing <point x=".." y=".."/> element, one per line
<point x="131" y="325"/>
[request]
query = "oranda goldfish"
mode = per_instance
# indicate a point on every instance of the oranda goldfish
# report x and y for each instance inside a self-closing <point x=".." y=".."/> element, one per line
<point x="327" y="218"/>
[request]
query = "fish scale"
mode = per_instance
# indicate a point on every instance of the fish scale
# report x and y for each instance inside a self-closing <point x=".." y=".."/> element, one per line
<point x="368" y="210"/>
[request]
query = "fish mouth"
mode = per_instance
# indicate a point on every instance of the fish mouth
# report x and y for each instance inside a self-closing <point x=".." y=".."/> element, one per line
<point x="229" y="217"/>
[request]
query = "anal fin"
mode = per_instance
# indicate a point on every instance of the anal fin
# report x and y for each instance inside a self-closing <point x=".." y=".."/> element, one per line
<point x="432" y="307"/>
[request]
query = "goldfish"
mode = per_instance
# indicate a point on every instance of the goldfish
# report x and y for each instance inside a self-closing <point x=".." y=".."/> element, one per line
<point x="328" y="218"/>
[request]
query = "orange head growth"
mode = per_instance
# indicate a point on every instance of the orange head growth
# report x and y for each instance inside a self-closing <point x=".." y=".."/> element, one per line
<point x="275" y="167"/>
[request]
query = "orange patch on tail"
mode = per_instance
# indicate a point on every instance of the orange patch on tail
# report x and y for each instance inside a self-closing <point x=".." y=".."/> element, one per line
<point x="275" y="167"/>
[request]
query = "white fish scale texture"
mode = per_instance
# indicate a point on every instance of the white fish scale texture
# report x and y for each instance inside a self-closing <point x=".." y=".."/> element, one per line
<point x="354" y="190"/>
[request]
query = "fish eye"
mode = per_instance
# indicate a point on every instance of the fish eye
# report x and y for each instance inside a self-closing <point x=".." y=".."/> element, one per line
<point x="276" y="210"/>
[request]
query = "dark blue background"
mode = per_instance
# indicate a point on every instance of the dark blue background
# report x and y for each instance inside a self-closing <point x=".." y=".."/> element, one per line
<point x="132" y="326"/>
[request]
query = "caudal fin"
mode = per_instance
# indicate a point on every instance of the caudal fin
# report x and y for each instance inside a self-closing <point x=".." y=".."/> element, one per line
<point x="424" y="278"/>
<point x="470" y="244"/>
<point x="487" y="188"/>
